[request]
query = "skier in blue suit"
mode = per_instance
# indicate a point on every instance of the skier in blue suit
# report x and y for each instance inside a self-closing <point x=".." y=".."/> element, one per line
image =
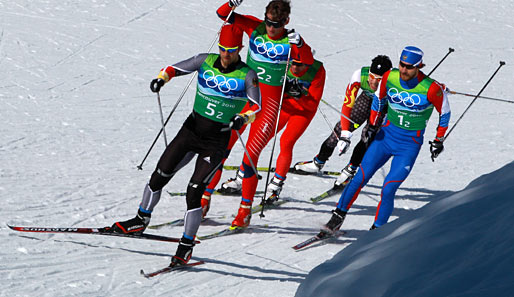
<point x="410" y="97"/>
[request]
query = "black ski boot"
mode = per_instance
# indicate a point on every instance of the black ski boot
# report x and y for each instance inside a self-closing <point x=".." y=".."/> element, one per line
<point x="335" y="221"/>
<point x="184" y="252"/>
<point x="136" y="225"/>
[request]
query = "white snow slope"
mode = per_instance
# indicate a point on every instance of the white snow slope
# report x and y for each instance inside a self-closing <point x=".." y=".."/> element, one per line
<point x="460" y="245"/>
<point x="77" y="117"/>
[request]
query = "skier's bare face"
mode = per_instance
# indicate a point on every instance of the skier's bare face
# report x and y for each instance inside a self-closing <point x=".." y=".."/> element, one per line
<point x="407" y="71"/>
<point x="275" y="28"/>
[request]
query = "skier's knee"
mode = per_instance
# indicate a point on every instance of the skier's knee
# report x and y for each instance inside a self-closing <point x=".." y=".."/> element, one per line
<point x="194" y="194"/>
<point x="159" y="179"/>
<point x="248" y="170"/>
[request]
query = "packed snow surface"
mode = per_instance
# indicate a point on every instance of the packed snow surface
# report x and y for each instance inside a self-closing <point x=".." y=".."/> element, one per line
<point x="77" y="117"/>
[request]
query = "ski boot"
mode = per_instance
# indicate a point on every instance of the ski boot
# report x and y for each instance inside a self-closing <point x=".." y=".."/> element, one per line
<point x="243" y="217"/>
<point x="233" y="186"/>
<point x="309" y="167"/>
<point x="274" y="188"/>
<point x="183" y="253"/>
<point x="136" y="225"/>
<point x="346" y="176"/>
<point x="335" y="222"/>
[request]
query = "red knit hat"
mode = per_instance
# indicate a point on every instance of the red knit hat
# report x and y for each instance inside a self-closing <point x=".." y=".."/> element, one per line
<point x="305" y="58"/>
<point x="231" y="36"/>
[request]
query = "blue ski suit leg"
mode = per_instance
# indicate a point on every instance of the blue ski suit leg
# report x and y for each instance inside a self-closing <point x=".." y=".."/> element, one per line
<point x="403" y="145"/>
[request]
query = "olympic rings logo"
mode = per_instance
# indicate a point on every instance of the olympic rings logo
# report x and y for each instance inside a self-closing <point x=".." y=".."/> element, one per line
<point x="404" y="97"/>
<point x="219" y="81"/>
<point x="269" y="48"/>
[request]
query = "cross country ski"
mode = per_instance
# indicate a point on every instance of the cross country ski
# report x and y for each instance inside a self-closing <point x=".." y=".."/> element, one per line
<point x="169" y="269"/>
<point x="321" y="236"/>
<point x="94" y="231"/>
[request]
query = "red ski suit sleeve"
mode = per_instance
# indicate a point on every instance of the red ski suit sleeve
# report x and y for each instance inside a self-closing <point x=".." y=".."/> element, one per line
<point x="248" y="23"/>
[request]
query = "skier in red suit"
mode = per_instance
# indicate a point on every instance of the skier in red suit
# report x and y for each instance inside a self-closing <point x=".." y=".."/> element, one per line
<point x="269" y="46"/>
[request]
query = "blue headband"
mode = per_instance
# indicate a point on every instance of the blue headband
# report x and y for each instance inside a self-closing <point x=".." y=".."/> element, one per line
<point x="412" y="55"/>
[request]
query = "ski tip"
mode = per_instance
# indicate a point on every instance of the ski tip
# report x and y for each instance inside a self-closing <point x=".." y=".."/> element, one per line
<point x="14" y="228"/>
<point x="145" y="275"/>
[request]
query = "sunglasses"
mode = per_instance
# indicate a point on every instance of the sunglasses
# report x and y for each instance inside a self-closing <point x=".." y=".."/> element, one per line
<point x="374" y="76"/>
<point x="407" y="65"/>
<point x="273" y="24"/>
<point x="296" y="63"/>
<point x="228" y="49"/>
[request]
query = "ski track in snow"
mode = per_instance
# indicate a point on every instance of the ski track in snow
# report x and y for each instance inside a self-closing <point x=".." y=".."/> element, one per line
<point x="78" y="117"/>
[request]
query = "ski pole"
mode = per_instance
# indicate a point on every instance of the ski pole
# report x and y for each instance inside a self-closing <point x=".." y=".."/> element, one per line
<point x="483" y="88"/>
<point x="483" y="97"/>
<point x="341" y="114"/>
<point x="450" y="50"/>
<point x="248" y="155"/>
<point x="263" y="203"/>
<point x="328" y="123"/>
<point x="140" y="166"/>
<point x="162" y="119"/>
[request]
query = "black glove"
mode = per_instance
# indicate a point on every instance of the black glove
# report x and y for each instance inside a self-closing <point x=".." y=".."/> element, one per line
<point x="294" y="88"/>
<point x="156" y="84"/>
<point x="237" y="121"/>
<point x="436" y="147"/>
<point x="234" y="3"/>
<point x="370" y="133"/>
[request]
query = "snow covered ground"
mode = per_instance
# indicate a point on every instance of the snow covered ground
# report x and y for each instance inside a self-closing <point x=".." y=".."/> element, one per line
<point x="458" y="246"/>
<point x="77" y="117"/>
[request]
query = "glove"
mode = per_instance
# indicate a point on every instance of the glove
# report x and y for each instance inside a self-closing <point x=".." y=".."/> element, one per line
<point x="238" y="121"/>
<point x="156" y="84"/>
<point x="294" y="88"/>
<point x="344" y="142"/>
<point x="294" y="38"/>
<point x="436" y="147"/>
<point x="445" y="89"/>
<point x="234" y="3"/>
<point x="370" y="133"/>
